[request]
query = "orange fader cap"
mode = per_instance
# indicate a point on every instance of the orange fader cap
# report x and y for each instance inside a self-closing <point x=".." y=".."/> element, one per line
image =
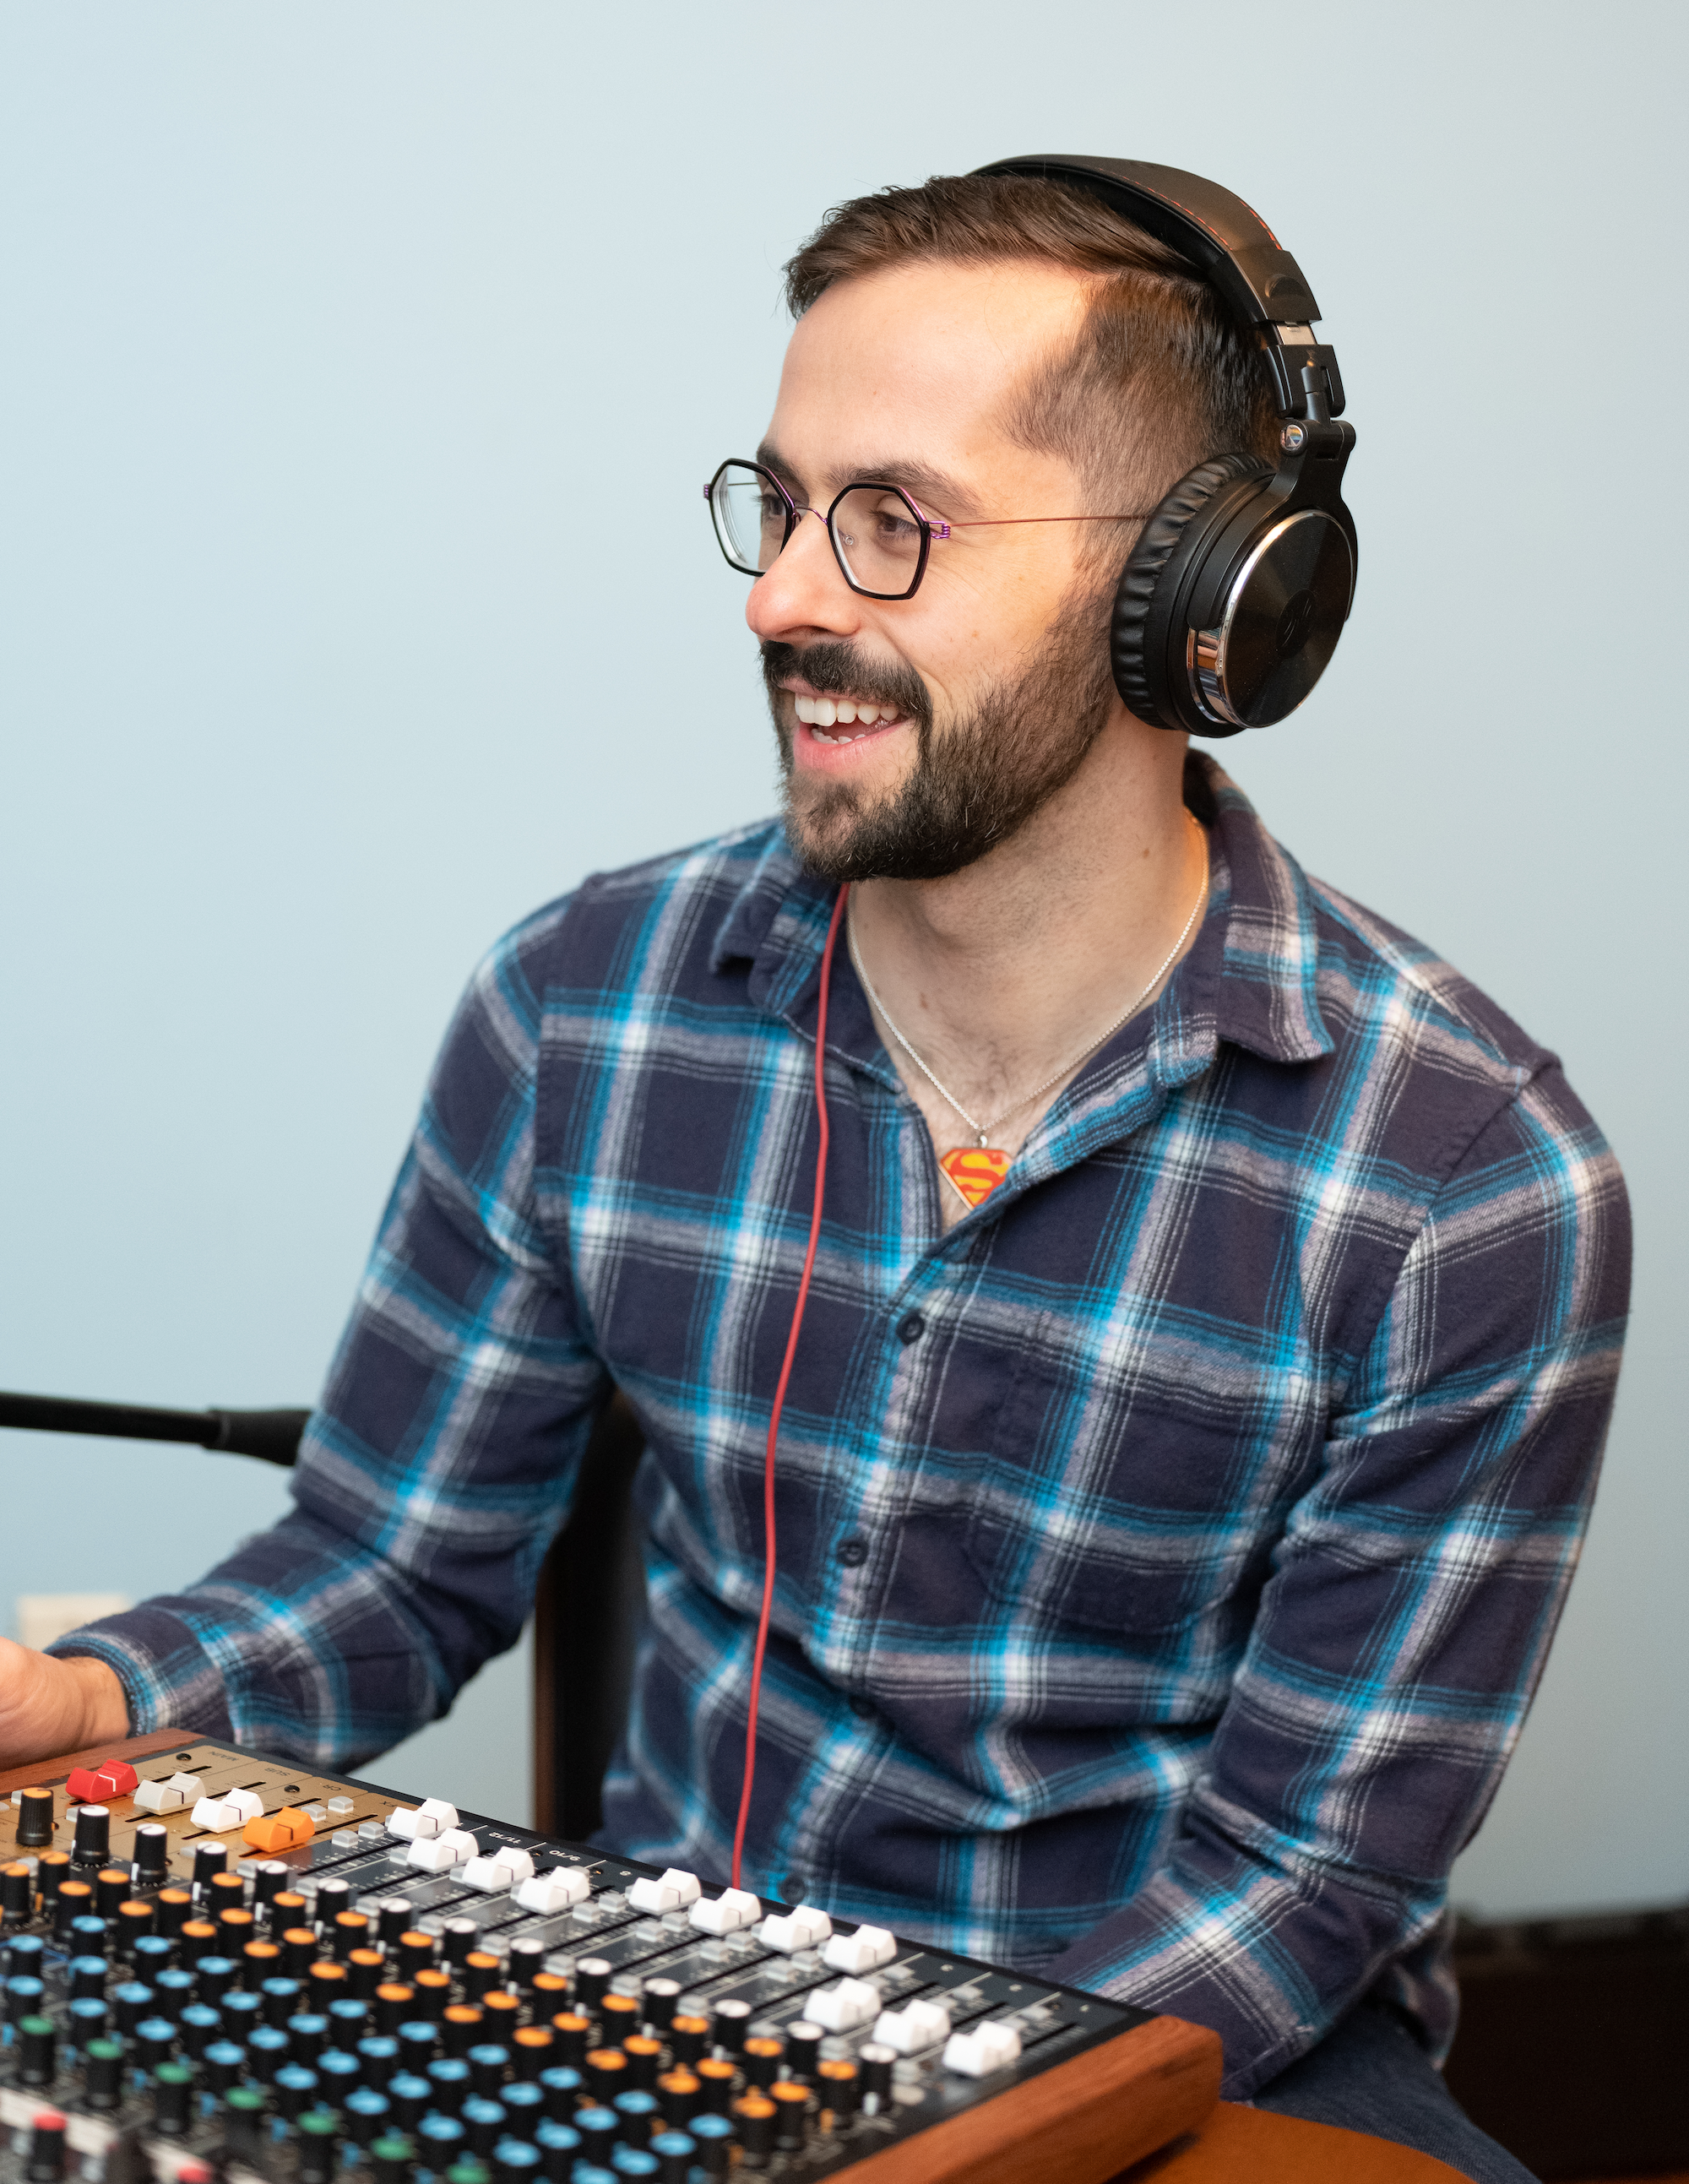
<point x="285" y="1829"/>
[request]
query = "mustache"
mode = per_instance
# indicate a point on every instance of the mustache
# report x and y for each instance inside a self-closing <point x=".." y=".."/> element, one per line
<point x="833" y="667"/>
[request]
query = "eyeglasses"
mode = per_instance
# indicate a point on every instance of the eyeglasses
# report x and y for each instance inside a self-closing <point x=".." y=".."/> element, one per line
<point x="881" y="539"/>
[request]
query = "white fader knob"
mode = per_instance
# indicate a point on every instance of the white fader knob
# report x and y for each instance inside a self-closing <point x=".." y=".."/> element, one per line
<point x="563" y="1886"/>
<point x="806" y="1928"/>
<point x="982" y="2048"/>
<point x="845" y="2006"/>
<point x="675" y="1892"/>
<point x="171" y="1795"/>
<point x="412" y="1823"/>
<point x="500" y="1872"/>
<point x="233" y="1809"/>
<point x="440" y="1853"/>
<point x="729" y="1913"/>
<point x="864" y="1951"/>
<point x="913" y="2029"/>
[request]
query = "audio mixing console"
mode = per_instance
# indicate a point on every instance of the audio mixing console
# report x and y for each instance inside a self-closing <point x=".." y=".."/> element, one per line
<point x="218" y="1965"/>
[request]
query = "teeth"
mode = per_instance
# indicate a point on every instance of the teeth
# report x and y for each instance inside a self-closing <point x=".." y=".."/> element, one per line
<point x="825" y="712"/>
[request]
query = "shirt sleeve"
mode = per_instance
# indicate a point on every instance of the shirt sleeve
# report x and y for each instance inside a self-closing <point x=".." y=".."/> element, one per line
<point x="1412" y="1599"/>
<point x="437" y="1469"/>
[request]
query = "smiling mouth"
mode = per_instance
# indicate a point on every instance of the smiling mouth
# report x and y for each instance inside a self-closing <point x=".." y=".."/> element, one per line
<point x="844" y="720"/>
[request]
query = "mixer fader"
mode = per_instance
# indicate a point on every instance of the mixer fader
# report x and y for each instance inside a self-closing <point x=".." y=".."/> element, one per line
<point x="216" y="1963"/>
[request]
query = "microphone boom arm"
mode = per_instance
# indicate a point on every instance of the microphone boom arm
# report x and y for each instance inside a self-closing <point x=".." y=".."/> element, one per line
<point x="271" y="1437"/>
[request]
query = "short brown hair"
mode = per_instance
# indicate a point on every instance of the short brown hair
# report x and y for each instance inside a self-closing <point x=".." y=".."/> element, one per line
<point x="1161" y="377"/>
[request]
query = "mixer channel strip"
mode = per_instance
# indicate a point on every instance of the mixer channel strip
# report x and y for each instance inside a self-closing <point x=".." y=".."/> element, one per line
<point x="218" y="1965"/>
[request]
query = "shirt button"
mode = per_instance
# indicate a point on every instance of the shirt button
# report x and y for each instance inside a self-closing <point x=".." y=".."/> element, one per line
<point x="850" y="1552"/>
<point x="794" y="1886"/>
<point x="863" y="1708"/>
<point x="911" y="1328"/>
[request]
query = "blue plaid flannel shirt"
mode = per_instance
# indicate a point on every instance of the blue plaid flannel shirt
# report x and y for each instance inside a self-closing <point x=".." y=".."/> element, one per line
<point x="1167" y="1553"/>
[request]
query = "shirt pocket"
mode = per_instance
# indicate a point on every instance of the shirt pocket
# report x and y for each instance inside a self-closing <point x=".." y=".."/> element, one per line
<point x="1121" y="1517"/>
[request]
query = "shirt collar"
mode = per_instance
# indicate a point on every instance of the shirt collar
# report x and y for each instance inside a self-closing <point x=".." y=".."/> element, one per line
<point x="1252" y="978"/>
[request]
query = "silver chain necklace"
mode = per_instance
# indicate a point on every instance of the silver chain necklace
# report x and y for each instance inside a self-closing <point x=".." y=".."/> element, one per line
<point x="982" y="1130"/>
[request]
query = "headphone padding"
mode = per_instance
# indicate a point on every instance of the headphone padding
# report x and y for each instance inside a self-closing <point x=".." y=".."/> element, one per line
<point x="1159" y="540"/>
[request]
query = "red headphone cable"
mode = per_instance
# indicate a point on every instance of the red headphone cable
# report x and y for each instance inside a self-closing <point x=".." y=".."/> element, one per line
<point x="785" y="1375"/>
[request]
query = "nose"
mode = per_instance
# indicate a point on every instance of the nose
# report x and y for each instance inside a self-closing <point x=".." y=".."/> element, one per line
<point x="803" y="590"/>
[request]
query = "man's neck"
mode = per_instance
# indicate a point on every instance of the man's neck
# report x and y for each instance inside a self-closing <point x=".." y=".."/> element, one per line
<point x="998" y="973"/>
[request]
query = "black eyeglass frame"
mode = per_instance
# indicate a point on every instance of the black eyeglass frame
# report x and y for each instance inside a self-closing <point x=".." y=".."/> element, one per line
<point x="930" y="526"/>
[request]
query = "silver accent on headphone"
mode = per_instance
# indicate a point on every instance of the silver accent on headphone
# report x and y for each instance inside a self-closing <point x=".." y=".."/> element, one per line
<point x="1284" y="614"/>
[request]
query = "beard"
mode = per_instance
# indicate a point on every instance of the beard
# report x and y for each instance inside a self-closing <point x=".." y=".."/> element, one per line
<point x="975" y="782"/>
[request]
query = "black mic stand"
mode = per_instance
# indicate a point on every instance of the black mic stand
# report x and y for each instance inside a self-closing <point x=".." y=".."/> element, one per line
<point x="272" y="1436"/>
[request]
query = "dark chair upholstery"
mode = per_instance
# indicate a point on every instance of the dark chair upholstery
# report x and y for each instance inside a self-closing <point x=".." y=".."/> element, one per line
<point x="587" y="1612"/>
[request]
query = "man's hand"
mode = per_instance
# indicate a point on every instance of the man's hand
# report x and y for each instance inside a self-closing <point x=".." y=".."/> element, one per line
<point x="48" y="1705"/>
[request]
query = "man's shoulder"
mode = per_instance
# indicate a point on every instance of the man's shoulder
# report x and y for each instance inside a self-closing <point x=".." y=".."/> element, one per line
<point x="1375" y="979"/>
<point x="669" y="902"/>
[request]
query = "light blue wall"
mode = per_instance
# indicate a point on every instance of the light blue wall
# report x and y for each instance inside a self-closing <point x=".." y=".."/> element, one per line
<point x="360" y="366"/>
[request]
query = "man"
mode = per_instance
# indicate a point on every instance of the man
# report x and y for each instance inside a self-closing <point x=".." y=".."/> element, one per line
<point x="1216" y="1311"/>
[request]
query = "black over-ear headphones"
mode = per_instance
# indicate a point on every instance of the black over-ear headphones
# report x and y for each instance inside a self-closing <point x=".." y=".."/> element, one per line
<point x="1235" y="594"/>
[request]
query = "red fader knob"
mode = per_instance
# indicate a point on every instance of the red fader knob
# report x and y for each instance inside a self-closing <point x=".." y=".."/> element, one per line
<point x="96" y="1785"/>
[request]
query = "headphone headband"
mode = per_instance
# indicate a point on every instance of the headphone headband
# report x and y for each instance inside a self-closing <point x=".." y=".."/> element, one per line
<point x="1228" y="241"/>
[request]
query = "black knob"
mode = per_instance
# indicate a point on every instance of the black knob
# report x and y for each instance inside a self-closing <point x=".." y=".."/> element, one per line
<point x="319" y="2147"/>
<point x="268" y="1882"/>
<point x="488" y="2067"/>
<point x="111" y="1890"/>
<point x="154" y="2044"/>
<point x="393" y="2160"/>
<point x="411" y="2096"/>
<point x="332" y="1896"/>
<point x="25" y="1996"/>
<point x="660" y="1996"/>
<point x="676" y="2151"/>
<point x="87" y="1976"/>
<point x="197" y="2028"/>
<point x="713" y="2136"/>
<point x="559" y="2146"/>
<point x="753" y="2117"/>
<point x="133" y="1921"/>
<point x="307" y="2035"/>
<point x="132" y="2001"/>
<point x="516" y="2162"/>
<point x="174" y="1908"/>
<point x="35" y="1820"/>
<point x="173" y="1990"/>
<point x="396" y="1915"/>
<point x="731" y="2023"/>
<point x="17" y="1892"/>
<point x="524" y="2107"/>
<point x="209" y="1859"/>
<point x="482" y="1972"/>
<point x="36" y="2062"/>
<point x="242" y="2014"/>
<point x="526" y="1962"/>
<point x="450" y="2078"/>
<point x="92" y="1843"/>
<point x="803" y="2050"/>
<point x="152" y="1855"/>
<point x="379" y="2055"/>
<point x="483" y="2125"/>
<point x="281" y="2000"/>
<point x="44" y="2163"/>
<point x="172" y="2099"/>
<point x="394" y="2002"/>
<point x="460" y="2028"/>
<point x="592" y="1978"/>
<point x="293" y="2089"/>
<point x="298" y="1950"/>
<point x="637" y="2110"/>
<point x="367" y="2113"/>
<point x="75" y="1901"/>
<point x="224" y="2063"/>
<point x="791" y="2119"/>
<point x="244" y="2112"/>
<point x="876" y="2061"/>
<point x="215" y="1976"/>
<point x="102" y="2073"/>
<point x="458" y="1937"/>
<point x="418" y="2043"/>
<point x="52" y="1870"/>
<point x="197" y="1939"/>
<point x="366" y="1970"/>
<point x="267" y="2052"/>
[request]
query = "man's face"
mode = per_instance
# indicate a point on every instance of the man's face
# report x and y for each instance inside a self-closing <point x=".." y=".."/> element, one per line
<point x="991" y="684"/>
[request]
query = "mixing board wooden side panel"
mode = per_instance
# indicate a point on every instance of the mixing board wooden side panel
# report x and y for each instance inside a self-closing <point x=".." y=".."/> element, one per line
<point x="1104" y="2111"/>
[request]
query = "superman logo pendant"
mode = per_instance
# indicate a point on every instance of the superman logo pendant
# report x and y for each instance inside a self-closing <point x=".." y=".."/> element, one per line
<point x="975" y="1171"/>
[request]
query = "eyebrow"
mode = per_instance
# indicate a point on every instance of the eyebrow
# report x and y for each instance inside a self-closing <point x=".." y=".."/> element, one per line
<point x="927" y="487"/>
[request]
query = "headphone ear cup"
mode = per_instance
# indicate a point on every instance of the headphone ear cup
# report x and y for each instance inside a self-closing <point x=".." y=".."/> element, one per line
<point x="1153" y="571"/>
